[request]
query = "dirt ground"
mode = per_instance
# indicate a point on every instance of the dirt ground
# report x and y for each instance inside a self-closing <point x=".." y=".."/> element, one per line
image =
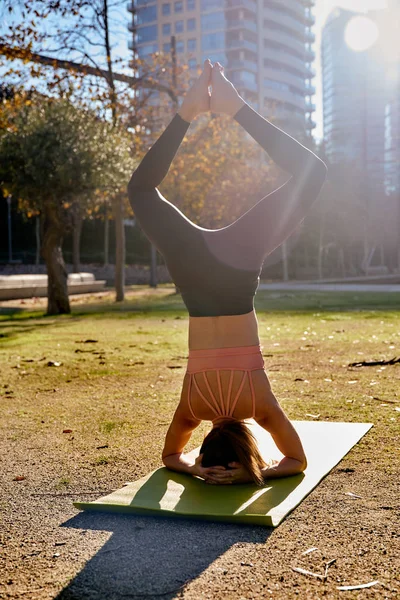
<point x="80" y="418"/>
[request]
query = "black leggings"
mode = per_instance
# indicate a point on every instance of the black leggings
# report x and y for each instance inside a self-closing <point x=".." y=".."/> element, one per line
<point x="217" y="271"/>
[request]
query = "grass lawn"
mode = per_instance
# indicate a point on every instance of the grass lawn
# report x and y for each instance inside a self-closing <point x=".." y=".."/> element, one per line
<point x="86" y="400"/>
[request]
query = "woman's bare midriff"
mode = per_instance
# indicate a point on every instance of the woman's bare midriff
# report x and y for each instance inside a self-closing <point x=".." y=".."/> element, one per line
<point x="227" y="331"/>
<point x="230" y="331"/>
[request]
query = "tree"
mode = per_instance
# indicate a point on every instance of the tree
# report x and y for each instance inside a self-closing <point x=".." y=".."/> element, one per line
<point x="79" y="35"/>
<point x="53" y="154"/>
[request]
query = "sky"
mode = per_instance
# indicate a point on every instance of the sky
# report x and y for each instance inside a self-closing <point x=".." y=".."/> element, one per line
<point x="321" y="11"/>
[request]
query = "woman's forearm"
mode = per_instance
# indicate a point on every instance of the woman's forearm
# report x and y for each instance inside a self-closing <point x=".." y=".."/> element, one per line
<point x="287" y="466"/>
<point x="156" y="163"/>
<point x="179" y="462"/>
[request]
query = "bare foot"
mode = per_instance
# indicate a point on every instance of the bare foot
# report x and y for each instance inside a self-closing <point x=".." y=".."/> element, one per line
<point x="224" y="96"/>
<point x="197" y="99"/>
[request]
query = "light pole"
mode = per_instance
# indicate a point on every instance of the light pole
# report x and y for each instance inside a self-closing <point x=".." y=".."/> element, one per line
<point x="9" y="230"/>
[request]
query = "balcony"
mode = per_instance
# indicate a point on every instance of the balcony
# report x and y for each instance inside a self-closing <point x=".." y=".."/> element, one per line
<point x="132" y="27"/>
<point x="310" y="89"/>
<point x="131" y="6"/>
<point x="296" y="25"/>
<point x="310" y="124"/>
<point x="242" y="64"/>
<point x="284" y="96"/>
<point x="233" y="44"/>
<point x="285" y="77"/>
<point x="309" y="55"/>
<point x="310" y="107"/>
<point x="249" y="4"/>
<point x="132" y="45"/>
<point x="246" y="85"/>
<point x="310" y="19"/>
<point x="310" y="72"/>
<point x="285" y="39"/>
<point x="310" y="37"/>
<point x="242" y="24"/>
<point x="285" y="58"/>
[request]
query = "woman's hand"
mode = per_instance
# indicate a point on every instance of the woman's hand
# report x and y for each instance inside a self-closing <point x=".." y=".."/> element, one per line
<point x="224" y="96"/>
<point x="235" y="474"/>
<point x="209" y="474"/>
<point x="197" y="99"/>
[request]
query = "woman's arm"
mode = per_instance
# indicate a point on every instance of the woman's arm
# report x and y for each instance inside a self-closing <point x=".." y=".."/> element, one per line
<point x="287" y="440"/>
<point x="177" y="437"/>
<point x="276" y="216"/>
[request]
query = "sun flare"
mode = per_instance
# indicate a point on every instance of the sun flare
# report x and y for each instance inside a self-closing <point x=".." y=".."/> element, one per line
<point x="361" y="33"/>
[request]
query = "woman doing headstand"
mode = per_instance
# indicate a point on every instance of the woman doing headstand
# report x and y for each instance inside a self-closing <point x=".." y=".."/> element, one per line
<point x="217" y="273"/>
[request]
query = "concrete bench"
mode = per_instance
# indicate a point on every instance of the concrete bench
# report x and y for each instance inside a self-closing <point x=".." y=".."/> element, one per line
<point x="28" y="286"/>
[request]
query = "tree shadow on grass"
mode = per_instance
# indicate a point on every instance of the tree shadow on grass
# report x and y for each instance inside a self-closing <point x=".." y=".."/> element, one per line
<point x="149" y="557"/>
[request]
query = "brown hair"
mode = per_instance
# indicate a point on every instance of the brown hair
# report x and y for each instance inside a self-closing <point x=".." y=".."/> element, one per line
<point x="232" y="441"/>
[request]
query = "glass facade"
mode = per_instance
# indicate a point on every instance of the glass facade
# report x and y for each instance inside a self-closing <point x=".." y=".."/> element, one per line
<point x="147" y="34"/>
<point x="147" y="14"/>
<point x="166" y="29"/>
<point x="207" y="5"/>
<point x="213" y="21"/>
<point x="213" y="41"/>
<point x="178" y="6"/>
<point x="147" y="49"/>
<point x="178" y="26"/>
<point x="166" y="9"/>
<point x="191" y="45"/>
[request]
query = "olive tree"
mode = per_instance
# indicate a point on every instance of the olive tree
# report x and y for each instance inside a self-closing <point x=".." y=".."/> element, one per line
<point x="53" y="155"/>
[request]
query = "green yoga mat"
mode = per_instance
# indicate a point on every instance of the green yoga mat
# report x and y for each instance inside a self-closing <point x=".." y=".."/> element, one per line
<point x="166" y="493"/>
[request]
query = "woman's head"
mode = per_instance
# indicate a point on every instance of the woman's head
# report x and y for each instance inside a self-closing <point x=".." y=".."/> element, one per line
<point x="232" y="441"/>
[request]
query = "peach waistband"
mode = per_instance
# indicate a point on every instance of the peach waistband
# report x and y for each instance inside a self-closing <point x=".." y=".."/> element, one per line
<point x="246" y="358"/>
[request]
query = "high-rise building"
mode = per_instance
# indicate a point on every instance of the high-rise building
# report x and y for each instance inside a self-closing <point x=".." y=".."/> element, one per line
<point x="354" y="99"/>
<point x="266" y="47"/>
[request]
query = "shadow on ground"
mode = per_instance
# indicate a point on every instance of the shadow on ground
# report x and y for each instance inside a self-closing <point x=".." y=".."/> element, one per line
<point x="148" y="557"/>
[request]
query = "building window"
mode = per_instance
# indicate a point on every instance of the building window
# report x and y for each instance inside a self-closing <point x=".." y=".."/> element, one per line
<point x="213" y="41"/>
<point x="166" y="9"/>
<point x="178" y="6"/>
<point x="190" y="4"/>
<point x="276" y="85"/>
<point x="167" y="47"/>
<point x="180" y="46"/>
<point x="191" y="24"/>
<point x="213" y="21"/>
<point x="147" y="49"/>
<point x="192" y="63"/>
<point x="147" y="34"/>
<point x="179" y="27"/>
<point x="211" y="4"/>
<point x="147" y="14"/>
<point x="216" y="57"/>
<point x="191" y="45"/>
<point x="166" y="29"/>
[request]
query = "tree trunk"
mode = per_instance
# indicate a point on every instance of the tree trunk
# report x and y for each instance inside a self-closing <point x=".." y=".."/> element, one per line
<point x="106" y="238"/>
<point x="37" y="235"/>
<point x="57" y="290"/>
<point x="119" y="249"/>
<point x="77" y="222"/>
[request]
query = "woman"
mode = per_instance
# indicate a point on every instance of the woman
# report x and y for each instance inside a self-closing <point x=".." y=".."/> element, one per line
<point x="217" y="273"/>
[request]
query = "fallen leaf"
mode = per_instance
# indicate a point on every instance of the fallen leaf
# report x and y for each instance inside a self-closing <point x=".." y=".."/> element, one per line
<point x="361" y="586"/>
<point x="352" y="495"/>
<point x="19" y="478"/>
<point x="313" y="416"/>
<point x="174" y="366"/>
<point x="310" y="573"/>
<point x="100" y="447"/>
<point x="313" y="549"/>
<point x="67" y="430"/>
<point x="52" y="363"/>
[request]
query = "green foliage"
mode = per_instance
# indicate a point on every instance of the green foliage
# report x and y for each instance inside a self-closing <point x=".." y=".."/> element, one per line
<point x="54" y="152"/>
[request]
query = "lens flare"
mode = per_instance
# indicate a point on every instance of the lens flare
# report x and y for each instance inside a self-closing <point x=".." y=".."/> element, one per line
<point x="361" y="33"/>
